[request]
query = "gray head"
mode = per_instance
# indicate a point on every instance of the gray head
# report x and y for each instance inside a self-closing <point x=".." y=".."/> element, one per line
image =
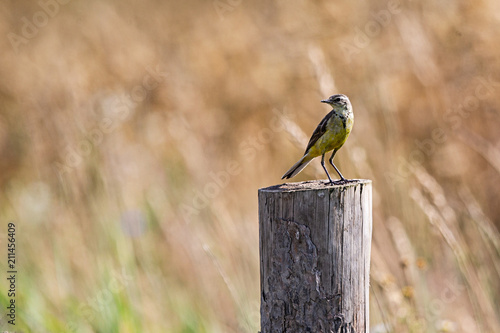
<point x="338" y="101"/>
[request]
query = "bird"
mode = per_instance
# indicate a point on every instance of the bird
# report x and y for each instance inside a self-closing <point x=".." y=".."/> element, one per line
<point x="331" y="134"/>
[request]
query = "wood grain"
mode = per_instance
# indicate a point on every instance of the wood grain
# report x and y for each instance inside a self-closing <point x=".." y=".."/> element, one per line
<point x="315" y="242"/>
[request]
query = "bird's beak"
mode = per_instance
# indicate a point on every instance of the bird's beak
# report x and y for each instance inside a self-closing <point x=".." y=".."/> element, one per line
<point x="324" y="101"/>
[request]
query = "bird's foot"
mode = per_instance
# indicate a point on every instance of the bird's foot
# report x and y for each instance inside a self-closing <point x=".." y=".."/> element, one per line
<point x="338" y="181"/>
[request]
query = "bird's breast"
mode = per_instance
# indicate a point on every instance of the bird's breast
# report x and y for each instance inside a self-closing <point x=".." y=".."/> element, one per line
<point x="338" y="129"/>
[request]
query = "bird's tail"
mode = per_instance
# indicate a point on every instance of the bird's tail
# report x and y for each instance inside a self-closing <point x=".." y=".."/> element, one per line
<point x="297" y="167"/>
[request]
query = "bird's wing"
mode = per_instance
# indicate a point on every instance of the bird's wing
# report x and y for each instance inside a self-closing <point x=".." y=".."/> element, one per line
<point x="319" y="131"/>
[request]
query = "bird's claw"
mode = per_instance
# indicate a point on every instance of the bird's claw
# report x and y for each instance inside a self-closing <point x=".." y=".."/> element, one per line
<point x="338" y="182"/>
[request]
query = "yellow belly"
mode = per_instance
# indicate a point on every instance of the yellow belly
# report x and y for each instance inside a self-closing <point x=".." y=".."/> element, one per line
<point x="334" y="137"/>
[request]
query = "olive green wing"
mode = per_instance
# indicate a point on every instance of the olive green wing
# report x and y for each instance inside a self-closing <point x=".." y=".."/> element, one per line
<point x="319" y="131"/>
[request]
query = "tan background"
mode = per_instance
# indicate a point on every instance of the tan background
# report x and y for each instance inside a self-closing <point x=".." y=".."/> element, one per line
<point x="134" y="136"/>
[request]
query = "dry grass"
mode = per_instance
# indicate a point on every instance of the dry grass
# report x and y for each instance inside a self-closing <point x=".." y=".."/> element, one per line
<point x="134" y="137"/>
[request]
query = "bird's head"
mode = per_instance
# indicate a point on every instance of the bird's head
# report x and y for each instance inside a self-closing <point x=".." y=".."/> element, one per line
<point x="338" y="101"/>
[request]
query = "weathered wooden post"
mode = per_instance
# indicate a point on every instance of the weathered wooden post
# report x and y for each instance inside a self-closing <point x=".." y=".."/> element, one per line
<point x="315" y="242"/>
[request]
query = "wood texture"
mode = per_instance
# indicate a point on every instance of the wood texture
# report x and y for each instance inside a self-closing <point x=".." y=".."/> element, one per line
<point x="315" y="242"/>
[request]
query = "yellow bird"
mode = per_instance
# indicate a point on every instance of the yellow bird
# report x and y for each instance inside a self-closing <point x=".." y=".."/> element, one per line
<point x="331" y="134"/>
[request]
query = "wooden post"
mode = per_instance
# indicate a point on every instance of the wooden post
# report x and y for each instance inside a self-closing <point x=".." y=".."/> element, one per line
<point x="315" y="242"/>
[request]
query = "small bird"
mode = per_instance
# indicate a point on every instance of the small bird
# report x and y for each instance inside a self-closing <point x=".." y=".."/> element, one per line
<point x="331" y="134"/>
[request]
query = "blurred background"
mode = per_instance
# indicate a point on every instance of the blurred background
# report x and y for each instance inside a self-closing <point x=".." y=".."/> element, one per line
<point x="134" y="136"/>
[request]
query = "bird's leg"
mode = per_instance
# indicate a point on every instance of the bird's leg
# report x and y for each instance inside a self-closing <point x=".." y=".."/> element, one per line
<point x="331" y="162"/>
<point x="324" y="168"/>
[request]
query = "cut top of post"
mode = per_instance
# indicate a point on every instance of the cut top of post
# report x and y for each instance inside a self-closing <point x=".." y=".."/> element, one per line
<point x="313" y="185"/>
